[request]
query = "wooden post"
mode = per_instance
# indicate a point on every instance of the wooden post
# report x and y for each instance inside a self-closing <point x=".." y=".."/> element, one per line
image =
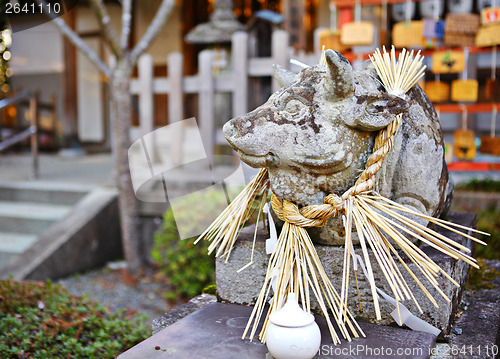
<point x="69" y="135"/>
<point x="146" y="104"/>
<point x="206" y="102"/>
<point x="34" y="135"/>
<point x="175" y="104"/>
<point x="279" y="52"/>
<point x="53" y="120"/>
<point x="240" y="72"/>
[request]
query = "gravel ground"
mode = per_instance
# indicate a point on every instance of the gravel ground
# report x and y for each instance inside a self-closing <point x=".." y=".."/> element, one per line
<point x="113" y="288"/>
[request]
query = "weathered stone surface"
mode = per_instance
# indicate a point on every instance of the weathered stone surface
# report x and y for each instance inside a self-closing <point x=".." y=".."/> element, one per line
<point x="88" y="237"/>
<point x="316" y="133"/>
<point x="244" y="287"/>
<point x="181" y="311"/>
<point x="215" y="332"/>
<point x="478" y="322"/>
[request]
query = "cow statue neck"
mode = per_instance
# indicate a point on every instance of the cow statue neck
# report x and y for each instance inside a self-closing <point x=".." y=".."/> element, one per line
<point x="315" y="134"/>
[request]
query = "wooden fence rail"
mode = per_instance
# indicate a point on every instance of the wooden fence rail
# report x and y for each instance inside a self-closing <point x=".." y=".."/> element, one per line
<point x="206" y="84"/>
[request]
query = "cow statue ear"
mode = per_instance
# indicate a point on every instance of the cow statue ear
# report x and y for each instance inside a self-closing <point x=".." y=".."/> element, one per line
<point x="379" y="112"/>
<point x="340" y="76"/>
<point x="283" y="76"/>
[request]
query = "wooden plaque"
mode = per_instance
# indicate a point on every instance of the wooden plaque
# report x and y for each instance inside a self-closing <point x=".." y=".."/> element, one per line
<point x="357" y="33"/>
<point x="408" y="34"/>
<point x="437" y="91"/>
<point x="462" y="23"/>
<point x="459" y="40"/>
<point x="490" y="145"/>
<point x="464" y="90"/>
<point x="488" y="36"/>
<point x="464" y="145"/>
<point x="492" y="89"/>
<point x="444" y="62"/>
<point x="490" y="15"/>
<point x="331" y="40"/>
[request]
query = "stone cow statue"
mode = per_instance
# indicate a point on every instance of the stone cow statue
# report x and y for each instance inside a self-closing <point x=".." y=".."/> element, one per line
<point x="315" y="134"/>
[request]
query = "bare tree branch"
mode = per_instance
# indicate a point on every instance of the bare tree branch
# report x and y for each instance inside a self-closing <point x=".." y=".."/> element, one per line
<point x="159" y="20"/>
<point x="126" y="20"/>
<point x="78" y="42"/>
<point x="105" y="23"/>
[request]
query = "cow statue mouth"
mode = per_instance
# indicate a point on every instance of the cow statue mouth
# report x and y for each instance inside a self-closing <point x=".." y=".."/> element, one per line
<point x="334" y="163"/>
<point x="256" y="161"/>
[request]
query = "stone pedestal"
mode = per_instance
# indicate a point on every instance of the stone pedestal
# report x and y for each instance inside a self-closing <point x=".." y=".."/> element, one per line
<point x="244" y="287"/>
<point x="215" y="330"/>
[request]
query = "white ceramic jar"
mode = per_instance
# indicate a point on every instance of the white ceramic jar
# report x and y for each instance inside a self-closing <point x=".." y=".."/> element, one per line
<point x="292" y="332"/>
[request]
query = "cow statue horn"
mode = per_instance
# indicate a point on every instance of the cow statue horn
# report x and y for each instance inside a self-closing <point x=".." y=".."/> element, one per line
<point x="283" y="76"/>
<point x="340" y="82"/>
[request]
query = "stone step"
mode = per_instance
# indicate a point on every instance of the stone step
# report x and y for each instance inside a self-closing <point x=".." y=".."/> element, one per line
<point x="12" y="244"/>
<point x="42" y="192"/>
<point x="29" y="217"/>
<point x="91" y="226"/>
<point x="6" y="257"/>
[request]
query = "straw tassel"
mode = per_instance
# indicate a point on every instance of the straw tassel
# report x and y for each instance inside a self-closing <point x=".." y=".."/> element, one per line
<point x="297" y="268"/>
<point x="224" y="231"/>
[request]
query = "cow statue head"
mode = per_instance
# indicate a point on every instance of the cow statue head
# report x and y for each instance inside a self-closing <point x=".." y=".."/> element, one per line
<point x="315" y="134"/>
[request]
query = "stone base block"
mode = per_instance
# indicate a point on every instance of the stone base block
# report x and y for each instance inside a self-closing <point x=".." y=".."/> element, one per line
<point x="214" y="332"/>
<point x="244" y="287"/>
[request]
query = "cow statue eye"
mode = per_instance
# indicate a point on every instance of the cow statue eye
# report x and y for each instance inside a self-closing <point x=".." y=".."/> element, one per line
<point x="293" y="106"/>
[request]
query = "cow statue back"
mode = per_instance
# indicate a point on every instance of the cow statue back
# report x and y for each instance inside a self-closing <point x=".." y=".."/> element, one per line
<point x="315" y="134"/>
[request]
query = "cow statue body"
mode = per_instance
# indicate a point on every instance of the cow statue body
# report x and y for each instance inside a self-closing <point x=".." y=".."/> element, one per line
<point x="315" y="134"/>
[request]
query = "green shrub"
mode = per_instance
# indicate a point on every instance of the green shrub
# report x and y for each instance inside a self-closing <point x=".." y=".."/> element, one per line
<point x="186" y="266"/>
<point x="484" y="185"/>
<point x="483" y="277"/>
<point x="489" y="221"/>
<point x="40" y="320"/>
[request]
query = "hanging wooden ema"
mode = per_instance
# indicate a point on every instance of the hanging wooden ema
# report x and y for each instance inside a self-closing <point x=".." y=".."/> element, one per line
<point x="490" y="15"/>
<point x="488" y="34"/>
<point x="437" y="91"/>
<point x="446" y="62"/>
<point x="357" y="32"/>
<point x="464" y="90"/>
<point x="408" y="33"/>
<point x="460" y="29"/>
<point x="464" y="144"/>
<point x="330" y="38"/>
<point x="433" y="31"/>
<point x="491" y="144"/>
<point x="443" y="62"/>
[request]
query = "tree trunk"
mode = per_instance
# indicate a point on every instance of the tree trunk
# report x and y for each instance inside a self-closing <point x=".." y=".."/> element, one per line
<point x="122" y="113"/>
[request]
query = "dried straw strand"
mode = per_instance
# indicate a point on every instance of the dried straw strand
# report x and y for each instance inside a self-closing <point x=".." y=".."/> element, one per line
<point x="226" y="227"/>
